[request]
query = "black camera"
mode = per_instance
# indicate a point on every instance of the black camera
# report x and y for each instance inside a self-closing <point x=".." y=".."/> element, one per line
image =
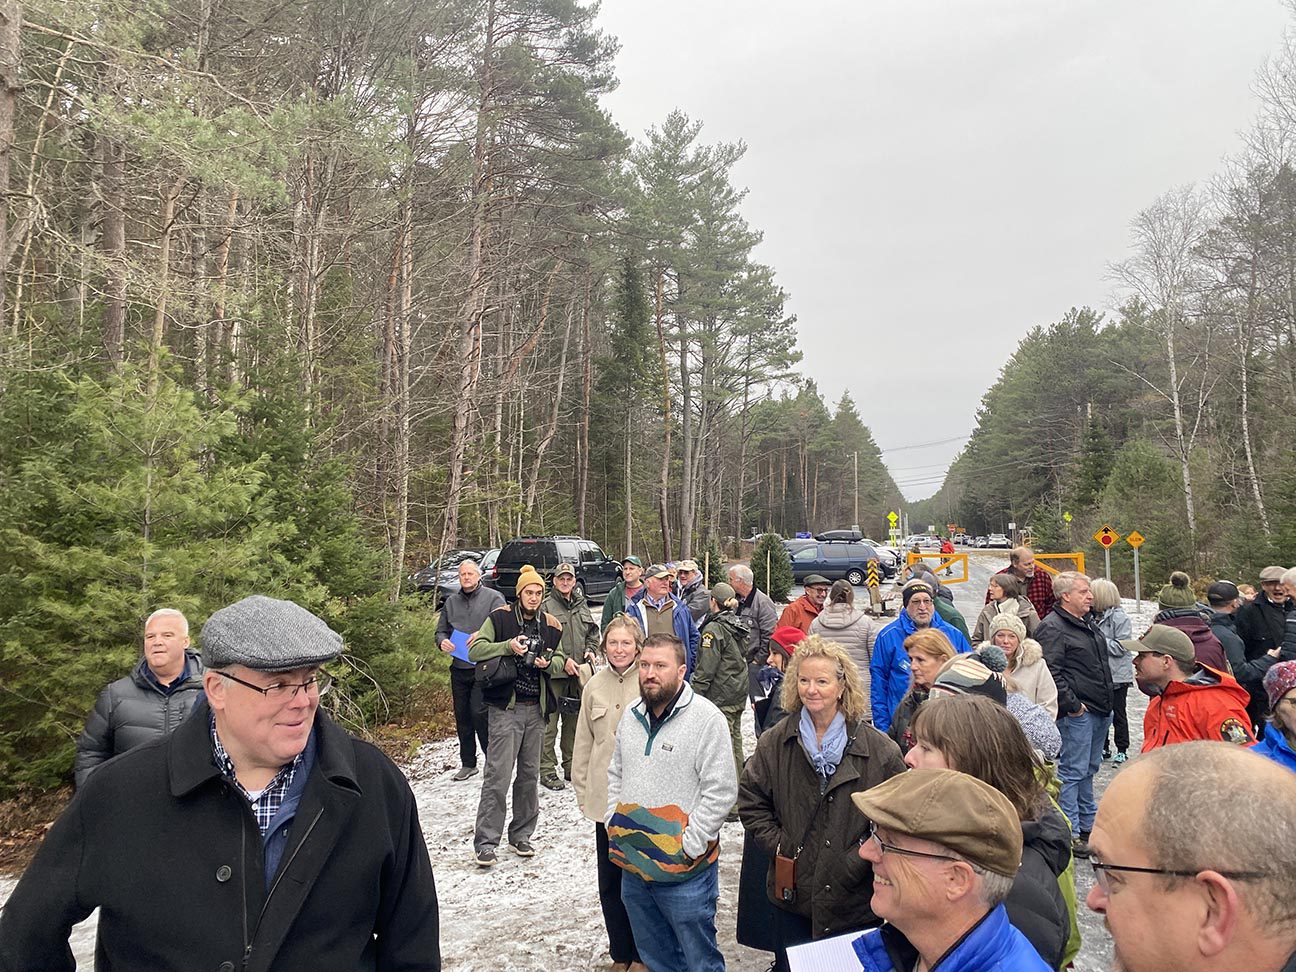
<point x="534" y="650"/>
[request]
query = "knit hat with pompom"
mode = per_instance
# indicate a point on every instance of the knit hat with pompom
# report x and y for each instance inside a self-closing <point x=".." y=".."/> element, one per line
<point x="1178" y="593"/>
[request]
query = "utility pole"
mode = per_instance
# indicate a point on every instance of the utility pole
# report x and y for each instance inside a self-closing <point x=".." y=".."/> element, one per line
<point x="855" y="525"/>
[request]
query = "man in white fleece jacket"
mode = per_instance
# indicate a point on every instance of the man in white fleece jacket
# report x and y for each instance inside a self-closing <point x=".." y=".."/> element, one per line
<point x="671" y="783"/>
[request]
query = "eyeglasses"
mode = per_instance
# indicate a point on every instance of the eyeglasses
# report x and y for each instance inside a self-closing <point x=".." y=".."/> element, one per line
<point x="1103" y="879"/>
<point x="893" y="849"/>
<point x="321" y="682"/>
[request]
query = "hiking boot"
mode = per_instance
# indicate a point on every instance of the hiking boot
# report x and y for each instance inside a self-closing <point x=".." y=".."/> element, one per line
<point x="463" y="773"/>
<point x="553" y="782"/>
<point x="1080" y="845"/>
<point x="523" y="848"/>
<point x="1120" y="758"/>
<point x="486" y="857"/>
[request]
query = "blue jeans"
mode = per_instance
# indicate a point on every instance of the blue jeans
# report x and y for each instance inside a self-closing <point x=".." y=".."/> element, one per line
<point x="1083" y="738"/>
<point x="674" y="924"/>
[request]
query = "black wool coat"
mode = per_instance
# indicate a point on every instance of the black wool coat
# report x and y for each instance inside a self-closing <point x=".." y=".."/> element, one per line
<point x="171" y="854"/>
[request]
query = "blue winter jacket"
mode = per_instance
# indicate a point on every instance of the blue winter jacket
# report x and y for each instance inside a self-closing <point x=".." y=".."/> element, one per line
<point x="685" y="630"/>
<point x="1276" y="747"/>
<point x="889" y="667"/>
<point x="993" y="945"/>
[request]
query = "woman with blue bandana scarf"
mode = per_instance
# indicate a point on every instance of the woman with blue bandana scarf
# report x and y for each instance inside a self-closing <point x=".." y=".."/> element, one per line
<point x="794" y="800"/>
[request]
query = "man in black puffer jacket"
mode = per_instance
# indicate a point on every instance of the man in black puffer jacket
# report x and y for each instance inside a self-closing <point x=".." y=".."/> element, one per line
<point x="1076" y="653"/>
<point x="149" y="702"/>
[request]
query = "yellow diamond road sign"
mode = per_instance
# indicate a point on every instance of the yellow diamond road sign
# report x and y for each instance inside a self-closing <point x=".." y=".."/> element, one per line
<point x="892" y="518"/>
<point x="1107" y="537"/>
<point x="1135" y="539"/>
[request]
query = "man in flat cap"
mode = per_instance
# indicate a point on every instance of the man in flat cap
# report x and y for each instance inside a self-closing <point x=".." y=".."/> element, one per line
<point x="945" y="849"/>
<point x="806" y="608"/>
<point x="259" y="835"/>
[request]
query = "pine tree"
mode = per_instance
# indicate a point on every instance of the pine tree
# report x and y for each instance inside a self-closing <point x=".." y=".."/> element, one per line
<point x="772" y="567"/>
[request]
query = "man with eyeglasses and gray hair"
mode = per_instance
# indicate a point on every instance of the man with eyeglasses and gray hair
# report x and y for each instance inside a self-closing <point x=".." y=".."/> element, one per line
<point x="945" y="849"/>
<point x="1192" y="858"/>
<point x="259" y="835"/>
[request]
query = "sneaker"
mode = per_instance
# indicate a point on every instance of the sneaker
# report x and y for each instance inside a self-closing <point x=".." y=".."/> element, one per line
<point x="1106" y="754"/>
<point x="523" y="848"/>
<point x="486" y="857"/>
<point x="553" y="782"/>
<point x="464" y="773"/>
<point x="1120" y="758"/>
<point x="1080" y="845"/>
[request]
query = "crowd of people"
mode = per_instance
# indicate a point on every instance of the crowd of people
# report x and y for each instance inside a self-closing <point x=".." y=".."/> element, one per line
<point x="918" y="794"/>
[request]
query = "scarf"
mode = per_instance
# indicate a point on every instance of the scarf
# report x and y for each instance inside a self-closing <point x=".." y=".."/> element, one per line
<point x="824" y="758"/>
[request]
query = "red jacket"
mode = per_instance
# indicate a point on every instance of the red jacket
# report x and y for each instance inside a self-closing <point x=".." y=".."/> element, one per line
<point x="1039" y="589"/>
<point x="1207" y="705"/>
<point x="799" y="614"/>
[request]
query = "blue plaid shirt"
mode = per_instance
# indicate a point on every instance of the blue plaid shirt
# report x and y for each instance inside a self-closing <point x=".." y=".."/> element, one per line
<point x="267" y="802"/>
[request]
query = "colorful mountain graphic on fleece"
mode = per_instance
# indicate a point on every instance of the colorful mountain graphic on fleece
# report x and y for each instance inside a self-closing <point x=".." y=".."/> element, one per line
<point x="648" y="841"/>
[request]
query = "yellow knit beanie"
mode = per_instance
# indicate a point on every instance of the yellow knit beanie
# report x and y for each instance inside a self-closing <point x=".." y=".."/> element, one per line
<point x="527" y="577"/>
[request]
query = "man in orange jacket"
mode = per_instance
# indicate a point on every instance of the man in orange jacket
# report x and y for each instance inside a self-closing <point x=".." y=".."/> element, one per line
<point x="1189" y="701"/>
<point x="806" y="608"/>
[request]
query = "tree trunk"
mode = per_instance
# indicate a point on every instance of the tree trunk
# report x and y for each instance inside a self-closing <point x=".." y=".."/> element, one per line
<point x="1244" y="362"/>
<point x="468" y="347"/>
<point x="686" y="436"/>
<point x="166" y="221"/>
<point x="10" y="32"/>
<point x="113" y="161"/>
<point x="1181" y="439"/>
<point x="402" y="388"/>
<point x="582" y="441"/>
<point x="663" y="485"/>
<point x="224" y="326"/>
<point x="533" y="479"/>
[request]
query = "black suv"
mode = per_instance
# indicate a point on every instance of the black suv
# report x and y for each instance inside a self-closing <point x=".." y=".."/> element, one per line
<point x="596" y="574"/>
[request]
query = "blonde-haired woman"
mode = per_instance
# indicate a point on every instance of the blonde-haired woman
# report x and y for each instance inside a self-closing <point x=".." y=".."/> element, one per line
<point x="604" y="700"/>
<point x="1027" y="668"/>
<point x="794" y="798"/>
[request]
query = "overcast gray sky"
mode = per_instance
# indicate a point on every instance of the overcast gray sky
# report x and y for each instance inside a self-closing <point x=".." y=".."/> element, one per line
<point x="935" y="177"/>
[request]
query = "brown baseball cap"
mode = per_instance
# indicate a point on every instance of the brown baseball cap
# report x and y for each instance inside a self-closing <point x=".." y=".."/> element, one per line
<point x="690" y="565"/>
<point x="564" y="569"/>
<point x="957" y="811"/>
<point x="1272" y="574"/>
<point x="657" y="570"/>
<point x="1162" y="639"/>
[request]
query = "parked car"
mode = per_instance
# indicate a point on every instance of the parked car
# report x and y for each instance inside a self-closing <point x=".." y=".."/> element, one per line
<point x="839" y="535"/>
<point x="487" y="565"/>
<point x="998" y="540"/>
<point x="596" y="573"/>
<point x="888" y="558"/>
<point x="833" y="559"/>
<point x="979" y="542"/>
<point x="923" y="541"/>
<point x="442" y="575"/>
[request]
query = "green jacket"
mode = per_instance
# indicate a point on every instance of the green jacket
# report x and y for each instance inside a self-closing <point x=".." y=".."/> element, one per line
<point x="720" y="674"/>
<point x="615" y="603"/>
<point x="952" y="615"/>
<point x="580" y="633"/>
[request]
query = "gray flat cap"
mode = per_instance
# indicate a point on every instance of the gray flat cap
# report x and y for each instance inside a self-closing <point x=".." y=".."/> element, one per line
<point x="267" y="635"/>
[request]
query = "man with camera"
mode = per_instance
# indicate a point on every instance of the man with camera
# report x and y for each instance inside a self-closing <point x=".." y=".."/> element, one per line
<point x="579" y="647"/>
<point x="514" y="649"/>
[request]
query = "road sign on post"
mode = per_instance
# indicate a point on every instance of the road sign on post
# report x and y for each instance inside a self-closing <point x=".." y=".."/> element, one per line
<point x="1107" y="538"/>
<point x="893" y="517"/>
<point x="874" y="582"/>
<point x="1135" y="540"/>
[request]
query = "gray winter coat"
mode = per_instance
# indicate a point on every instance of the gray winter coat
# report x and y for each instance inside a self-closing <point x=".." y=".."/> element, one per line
<point x="1114" y="623"/>
<point x="134" y="710"/>
<point x="762" y="615"/>
<point x="467" y="613"/>
<point x="698" y="600"/>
